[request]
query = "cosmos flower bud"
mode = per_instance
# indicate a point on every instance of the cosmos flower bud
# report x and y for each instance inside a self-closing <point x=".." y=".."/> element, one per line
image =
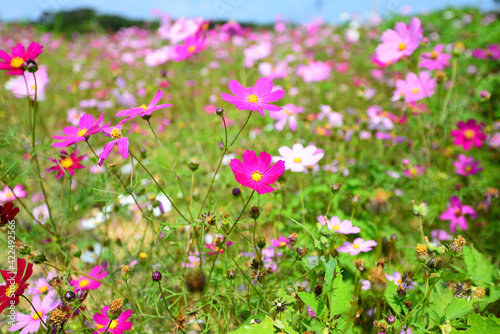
<point x="301" y="252"/>
<point x="434" y="263"/>
<point x="457" y="246"/>
<point x="236" y="192"/>
<point x="38" y="257"/>
<point x="458" y="48"/>
<point x="391" y="319"/>
<point x="485" y="95"/>
<point x="336" y="187"/>
<point x="75" y="251"/>
<point x="22" y="248"/>
<point x="163" y="73"/>
<point x="69" y="296"/>
<point x="254" y="212"/>
<point x="31" y="66"/>
<point x="193" y="163"/>
<point x="219" y="111"/>
<point x="356" y="199"/>
<point x="359" y="264"/>
<point x="261" y="242"/>
<point x="125" y="272"/>
<point x="421" y="253"/>
<point x="231" y="274"/>
<point x="156" y="276"/>
<point x="420" y="210"/>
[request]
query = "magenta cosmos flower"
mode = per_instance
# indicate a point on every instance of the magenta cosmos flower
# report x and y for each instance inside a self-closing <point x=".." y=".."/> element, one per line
<point x="9" y="195"/>
<point x="357" y="246"/>
<point x="254" y="98"/>
<point x="14" y="63"/>
<point x="414" y="171"/>
<point x="256" y="172"/>
<point x="114" y="132"/>
<point x="116" y="326"/>
<point x="468" y="134"/>
<point x="214" y="249"/>
<point x="298" y="158"/>
<point x="415" y="87"/>
<point x="280" y="242"/>
<point x="85" y="283"/>
<point x="342" y="227"/>
<point x="143" y="110"/>
<point x="435" y="60"/>
<point x="192" y="45"/>
<point x="456" y="214"/>
<point x="286" y="115"/>
<point x="402" y="41"/>
<point x="67" y="163"/>
<point x="492" y="52"/>
<point x="86" y="127"/>
<point x="467" y="165"/>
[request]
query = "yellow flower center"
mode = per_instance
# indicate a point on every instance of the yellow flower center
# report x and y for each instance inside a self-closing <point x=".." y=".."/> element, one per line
<point x="289" y="113"/>
<point x="336" y="228"/>
<point x="143" y="255"/>
<point x="16" y="62"/>
<point x="413" y="171"/>
<point x="11" y="290"/>
<point x="434" y="55"/>
<point x="144" y="107"/>
<point x="116" y="133"/>
<point x="253" y="98"/>
<point x="283" y="244"/>
<point x="81" y="132"/>
<point x="43" y="289"/>
<point x="256" y="176"/>
<point x="297" y="160"/>
<point x="36" y="315"/>
<point x="113" y="324"/>
<point x="66" y="163"/>
<point x="355" y="246"/>
<point x="401" y="46"/>
<point x="469" y="134"/>
<point x="191" y="49"/>
<point x="399" y="281"/>
<point x="468" y="168"/>
<point x="415" y="90"/>
<point x="10" y="194"/>
<point x="83" y="283"/>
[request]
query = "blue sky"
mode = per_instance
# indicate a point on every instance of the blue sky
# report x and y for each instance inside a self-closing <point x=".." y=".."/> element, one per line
<point x="260" y="11"/>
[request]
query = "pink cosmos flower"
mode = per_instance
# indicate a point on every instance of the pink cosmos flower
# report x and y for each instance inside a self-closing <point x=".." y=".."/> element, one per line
<point x="314" y="71"/>
<point x="41" y="285"/>
<point x="298" y="158"/>
<point x="280" y="242"/>
<point x="85" y="283"/>
<point x="14" y="64"/>
<point x="435" y="60"/>
<point x="357" y="246"/>
<point x="143" y="110"/>
<point x="117" y="326"/>
<point x="256" y="172"/>
<point x="17" y="85"/>
<point x="415" y="87"/>
<point x="397" y="278"/>
<point x="468" y="134"/>
<point x="310" y="311"/>
<point x="414" y="171"/>
<point x="402" y="41"/>
<point x="342" y="227"/>
<point x="193" y="45"/>
<point x="215" y="249"/>
<point x="335" y="119"/>
<point x="254" y="98"/>
<point x="86" y="127"/>
<point x="8" y="195"/>
<point x="118" y="139"/>
<point x="286" y="115"/>
<point x="467" y="165"/>
<point x="456" y="212"/>
<point x="67" y="163"/>
<point x="30" y="323"/>
<point x="492" y="52"/>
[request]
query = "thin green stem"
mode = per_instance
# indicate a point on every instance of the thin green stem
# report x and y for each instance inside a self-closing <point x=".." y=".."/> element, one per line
<point x="135" y="308"/>
<point x="454" y="66"/>
<point x="302" y="200"/>
<point x="164" y="301"/>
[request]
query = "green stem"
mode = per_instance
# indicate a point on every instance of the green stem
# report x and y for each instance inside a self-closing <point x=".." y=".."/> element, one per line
<point x="421" y="229"/>
<point x="165" y="302"/>
<point x="302" y="200"/>
<point x="454" y="66"/>
<point x="135" y="308"/>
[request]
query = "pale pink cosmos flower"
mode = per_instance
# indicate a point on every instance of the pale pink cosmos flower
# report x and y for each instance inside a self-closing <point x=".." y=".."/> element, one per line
<point x="467" y="165"/>
<point x="17" y="85"/>
<point x="342" y="227"/>
<point x="314" y="71"/>
<point x="402" y="41"/>
<point x="143" y="110"/>
<point x="335" y="119"/>
<point x="357" y="246"/>
<point x="397" y="278"/>
<point x="435" y="60"/>
<point x="456" y="212"/>
<point x="74" y="116"/>
<point x="256" y="98"/>
<point x="415" y="87"/>
<point x="9" y="195"/>
<point x="286" y="115"/>
<point x="31" y="323"/>
<point x="298" y="158"/>
<point x="118" y="139"/>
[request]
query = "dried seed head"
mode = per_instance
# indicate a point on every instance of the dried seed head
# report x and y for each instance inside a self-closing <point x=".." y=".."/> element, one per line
<point x="458" y="244"/>
<point x="359" y="264"/>
<point x="115" y="309"/>
<point x="57" y="317"/>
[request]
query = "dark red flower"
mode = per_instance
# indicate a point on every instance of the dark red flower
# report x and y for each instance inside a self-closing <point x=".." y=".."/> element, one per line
<point x="7" y="213"/>
<point x="16" y="284"/>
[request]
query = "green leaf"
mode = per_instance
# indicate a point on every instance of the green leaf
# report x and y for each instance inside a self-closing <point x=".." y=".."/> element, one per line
<point x="330" y="269"/>
<point x="341" y="295"/>
<point x="480" y="325"/>
<point x="310" y="300"/>
<point x="265" y="327"/>
<point x="478" y="267"/>
<point x="392" y="297"/>
<point x="457" y="308"/>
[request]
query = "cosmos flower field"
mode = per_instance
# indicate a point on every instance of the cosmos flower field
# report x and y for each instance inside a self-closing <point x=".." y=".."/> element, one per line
<point x="216" y="178"/>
